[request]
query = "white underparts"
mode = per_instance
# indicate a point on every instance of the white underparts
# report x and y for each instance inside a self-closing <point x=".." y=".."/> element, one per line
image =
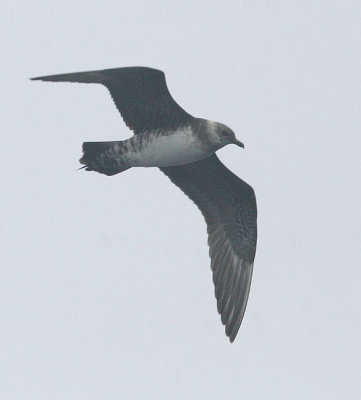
<point x="177" y="148"/>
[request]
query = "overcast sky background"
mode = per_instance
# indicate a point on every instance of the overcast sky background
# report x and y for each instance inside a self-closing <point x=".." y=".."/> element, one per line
<point x="106" y="289"/>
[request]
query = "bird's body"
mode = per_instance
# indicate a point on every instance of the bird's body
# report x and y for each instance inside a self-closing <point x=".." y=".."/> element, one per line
<point x="156" y="149"/>
<point x="183" y="147"/>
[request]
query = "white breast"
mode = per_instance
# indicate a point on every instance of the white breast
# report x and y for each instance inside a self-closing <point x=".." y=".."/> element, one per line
<point x="174" y="149"/>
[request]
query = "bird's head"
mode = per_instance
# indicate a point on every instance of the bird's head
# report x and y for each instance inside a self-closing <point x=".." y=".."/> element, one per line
<point x="221" y="135"/>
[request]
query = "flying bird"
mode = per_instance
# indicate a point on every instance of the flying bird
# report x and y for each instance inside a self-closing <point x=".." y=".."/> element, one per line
<point x="183" y="147"/>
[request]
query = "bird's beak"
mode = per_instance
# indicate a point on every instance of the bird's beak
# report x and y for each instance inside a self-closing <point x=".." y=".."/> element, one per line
<point x="238" y="143"/>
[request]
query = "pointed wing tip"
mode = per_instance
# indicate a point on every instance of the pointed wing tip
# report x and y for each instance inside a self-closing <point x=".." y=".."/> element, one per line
<point x="79" y="77"/>
<point x="232" y="335"/>
<point x="41" y="78"/>
<point x="96" y="76"/>
<point x="231" y="339"/>
<point x="46" y="78"/>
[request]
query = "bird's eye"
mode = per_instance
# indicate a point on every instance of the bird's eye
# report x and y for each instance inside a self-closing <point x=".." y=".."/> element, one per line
<point x="225" y="133"/>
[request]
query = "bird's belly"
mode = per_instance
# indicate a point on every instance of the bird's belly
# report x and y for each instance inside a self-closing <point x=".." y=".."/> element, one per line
<point x="167" y="151"/>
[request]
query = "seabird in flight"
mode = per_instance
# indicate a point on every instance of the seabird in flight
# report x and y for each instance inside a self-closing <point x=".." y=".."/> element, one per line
<point x="183" y="147"/>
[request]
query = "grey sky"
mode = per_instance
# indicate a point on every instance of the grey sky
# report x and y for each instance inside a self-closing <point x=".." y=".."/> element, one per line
<point x="106" y="289"/>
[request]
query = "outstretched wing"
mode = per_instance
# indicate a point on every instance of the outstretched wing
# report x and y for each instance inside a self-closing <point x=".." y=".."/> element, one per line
<point x="140" y="94"/>
<point x="229" y="207"/>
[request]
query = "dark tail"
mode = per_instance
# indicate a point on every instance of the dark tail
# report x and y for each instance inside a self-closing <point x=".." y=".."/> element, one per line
<point x="103" y="157"/>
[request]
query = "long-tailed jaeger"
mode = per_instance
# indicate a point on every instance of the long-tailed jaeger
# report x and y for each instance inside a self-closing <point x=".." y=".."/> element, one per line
<point x="183" y="147"/>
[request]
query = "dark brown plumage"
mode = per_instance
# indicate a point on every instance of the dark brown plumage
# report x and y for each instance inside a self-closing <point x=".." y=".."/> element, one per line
<point x="229" y="207"/>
